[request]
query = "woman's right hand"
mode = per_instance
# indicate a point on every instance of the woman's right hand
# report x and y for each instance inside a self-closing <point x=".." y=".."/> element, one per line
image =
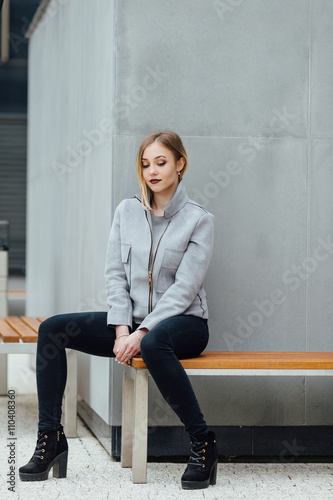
<point x="127" y="347"/>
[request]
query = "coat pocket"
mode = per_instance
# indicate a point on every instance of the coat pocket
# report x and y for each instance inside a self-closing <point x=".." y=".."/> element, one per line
<point x="167" y="272"/>
<point x="126" y="260"/>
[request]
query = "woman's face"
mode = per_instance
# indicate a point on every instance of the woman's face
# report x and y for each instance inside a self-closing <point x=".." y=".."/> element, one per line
<point x="160" y="169"/>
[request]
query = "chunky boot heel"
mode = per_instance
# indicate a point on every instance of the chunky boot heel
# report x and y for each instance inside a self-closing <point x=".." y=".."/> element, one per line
<point x="60" y="467"/>
<point x="51" y="451"/>
<point x="201" y="468"/>
<point x="213" y="474"/>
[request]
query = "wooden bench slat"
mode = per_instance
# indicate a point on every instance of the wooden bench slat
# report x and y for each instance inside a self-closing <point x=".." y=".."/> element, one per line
<point x="254" y="360"/>
<point x="7" y="333"/>
<point x="24" y="331"/>
<point x="33" y="323"/>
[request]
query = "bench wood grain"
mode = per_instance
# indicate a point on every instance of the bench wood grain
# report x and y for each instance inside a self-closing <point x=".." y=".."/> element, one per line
<point x="7" y="333"/>
<point x="26" y="333"/>
<point x="217" y="360"/>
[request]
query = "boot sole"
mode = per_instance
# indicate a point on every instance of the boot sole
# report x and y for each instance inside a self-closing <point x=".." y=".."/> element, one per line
<point x="59" y="465"/>
<point x="200" y="485"/>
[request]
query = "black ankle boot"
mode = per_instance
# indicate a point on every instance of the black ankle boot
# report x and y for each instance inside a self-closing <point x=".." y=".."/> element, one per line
<point x="202" y="466"/>
<point x="51" y="451"/>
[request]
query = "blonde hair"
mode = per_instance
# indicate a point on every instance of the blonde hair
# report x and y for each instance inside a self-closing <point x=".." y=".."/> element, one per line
<point x="171" y="141"/>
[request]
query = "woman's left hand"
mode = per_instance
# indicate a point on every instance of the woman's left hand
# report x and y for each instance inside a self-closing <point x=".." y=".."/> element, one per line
<point x="129" y="347"/>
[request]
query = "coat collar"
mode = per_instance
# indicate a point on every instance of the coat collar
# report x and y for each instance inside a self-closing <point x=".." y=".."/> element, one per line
<point x="177" y="202"/>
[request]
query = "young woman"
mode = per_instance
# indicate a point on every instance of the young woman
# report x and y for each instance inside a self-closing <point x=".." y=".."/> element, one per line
<point x="159" y="249"/>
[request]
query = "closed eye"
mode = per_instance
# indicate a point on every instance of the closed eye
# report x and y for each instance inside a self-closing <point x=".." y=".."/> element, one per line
<point x="159" y="164"/>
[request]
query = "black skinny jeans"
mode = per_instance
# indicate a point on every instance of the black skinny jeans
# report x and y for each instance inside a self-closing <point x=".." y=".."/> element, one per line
<point x="175" y="338"/>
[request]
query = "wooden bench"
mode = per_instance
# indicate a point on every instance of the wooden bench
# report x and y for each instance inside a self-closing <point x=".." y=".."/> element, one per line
<point x="135" y="389"/>
<point x="18" y="335"/>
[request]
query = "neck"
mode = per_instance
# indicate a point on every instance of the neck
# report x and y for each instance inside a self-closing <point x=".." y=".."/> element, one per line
<point x="160" y="200"/>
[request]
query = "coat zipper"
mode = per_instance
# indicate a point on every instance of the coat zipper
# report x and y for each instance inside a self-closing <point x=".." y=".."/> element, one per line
<point x="152" y="262"/>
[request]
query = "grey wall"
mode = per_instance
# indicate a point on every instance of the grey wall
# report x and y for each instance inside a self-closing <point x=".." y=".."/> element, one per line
<point x="71" y="87"/>
<point x="248" y="87"/>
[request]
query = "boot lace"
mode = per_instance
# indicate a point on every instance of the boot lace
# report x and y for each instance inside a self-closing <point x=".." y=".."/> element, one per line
<point x="40" y="446"/>
<point x="198" y="453"/>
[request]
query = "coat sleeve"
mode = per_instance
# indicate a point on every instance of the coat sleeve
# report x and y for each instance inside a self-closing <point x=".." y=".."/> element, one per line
<point x="117" y="287"/>
<point x="189" y="276"/>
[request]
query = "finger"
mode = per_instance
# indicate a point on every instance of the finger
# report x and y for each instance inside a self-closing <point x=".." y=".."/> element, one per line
<point x="118" y="355"/>
<point x="126" y="362"/>
<point x="121" y="350"/>
<point x="126" y="356"/>
<point x="123" y="355"/>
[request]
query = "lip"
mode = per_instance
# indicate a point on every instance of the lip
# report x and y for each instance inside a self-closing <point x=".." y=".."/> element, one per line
<point x="154" y="181"/>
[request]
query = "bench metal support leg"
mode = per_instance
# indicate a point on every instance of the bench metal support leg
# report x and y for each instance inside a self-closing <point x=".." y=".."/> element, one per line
<point x="3" y="374"/>
<point x="127" y="421"/>
<point x="140" y="427"/>
<point x="70" y="396"/>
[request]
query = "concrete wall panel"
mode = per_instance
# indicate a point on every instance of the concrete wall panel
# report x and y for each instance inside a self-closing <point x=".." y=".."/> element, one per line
<point x="189" y="67"/>
<point x="321" y="69"/>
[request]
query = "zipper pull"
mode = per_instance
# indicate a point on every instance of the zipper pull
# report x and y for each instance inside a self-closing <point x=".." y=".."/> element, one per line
<point x="150" y="278"/>
<point x="58" y="434"/>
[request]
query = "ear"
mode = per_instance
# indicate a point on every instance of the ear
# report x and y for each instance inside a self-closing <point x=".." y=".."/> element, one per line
<point x="180" y="164"/>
